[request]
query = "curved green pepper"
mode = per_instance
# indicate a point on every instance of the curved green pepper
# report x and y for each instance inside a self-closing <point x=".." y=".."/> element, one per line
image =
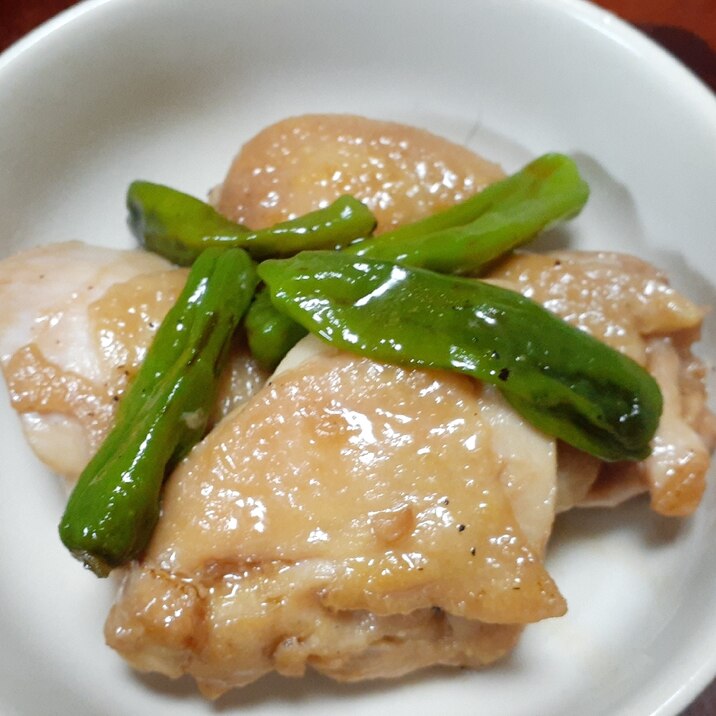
<point x="564" y="381"/>
<point x="465" y="238"/>
<point x="114" y="506"/>
<point x="468" y="237"/>
<point x="179" y="227"/>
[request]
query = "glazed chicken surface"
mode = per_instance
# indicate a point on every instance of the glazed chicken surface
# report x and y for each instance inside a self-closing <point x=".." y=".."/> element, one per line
<point x="77" y="324"/>
<point x="349" y="513"/>
<point x="345" y="515"/>
<point x="629" y="305"/>
<point x="303" y="163"/>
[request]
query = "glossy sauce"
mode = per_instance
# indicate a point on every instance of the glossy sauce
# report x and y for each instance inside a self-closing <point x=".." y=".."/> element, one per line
<point x="303" y="163"/>
<point x="358" y="508"/>
<point x="77" y="324"/>
<point x="356" y="517"/>
<point x="629" y="305"/>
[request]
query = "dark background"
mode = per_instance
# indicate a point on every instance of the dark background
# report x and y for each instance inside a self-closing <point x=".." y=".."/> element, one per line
<point x="687" y="28"/>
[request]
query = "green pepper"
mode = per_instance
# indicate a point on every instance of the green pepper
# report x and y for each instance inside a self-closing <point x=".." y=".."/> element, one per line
<point x="462" y="239"/>
<point x="561" y="379"/>
<point x="468" y="237"/>
<point x="270" y="333"/>
<point x="114" y="507"/>
<point x="179" y="227"/>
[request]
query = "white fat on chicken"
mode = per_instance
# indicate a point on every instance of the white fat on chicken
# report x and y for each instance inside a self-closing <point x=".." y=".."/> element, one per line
<point x="359" y="518"/>
<point x="76" y="324"/>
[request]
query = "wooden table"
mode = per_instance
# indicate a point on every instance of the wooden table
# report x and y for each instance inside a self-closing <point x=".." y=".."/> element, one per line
<point x="687" y="28"/>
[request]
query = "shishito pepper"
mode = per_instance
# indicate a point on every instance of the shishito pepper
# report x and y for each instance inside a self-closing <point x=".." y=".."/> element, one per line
<point x="270" y="333"/>
<point x="469" y="236"/>
<point x="463" y="239"/>
<point x="564" y="381"/>
<point x="179" y="227"/>
<point x="114" y="507"/>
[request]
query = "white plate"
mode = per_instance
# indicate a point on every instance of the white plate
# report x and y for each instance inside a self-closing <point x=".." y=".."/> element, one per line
<point x="121" y="89"/>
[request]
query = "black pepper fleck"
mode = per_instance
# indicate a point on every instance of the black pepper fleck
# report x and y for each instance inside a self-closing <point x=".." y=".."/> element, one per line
<point x="460" y="528"/>
<point x="504" y="374"/>
<point x="473" y="551"/>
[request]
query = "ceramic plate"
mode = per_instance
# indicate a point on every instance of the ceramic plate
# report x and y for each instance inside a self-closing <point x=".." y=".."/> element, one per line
<point x="121" y="89"/>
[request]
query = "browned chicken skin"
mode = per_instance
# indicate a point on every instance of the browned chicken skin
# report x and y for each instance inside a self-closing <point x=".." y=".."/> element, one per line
<point x="349" y="516"/>
<point x="629" y="305"/>
<point x="300" y="164"/>
<point x="363" y="495"/>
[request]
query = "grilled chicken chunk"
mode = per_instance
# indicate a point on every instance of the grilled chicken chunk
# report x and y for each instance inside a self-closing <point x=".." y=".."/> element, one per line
<point x="349" y="514"/>
<point x="303" y="163"/>
<point x="76" y="325"/>
<point x="629" y="305"/>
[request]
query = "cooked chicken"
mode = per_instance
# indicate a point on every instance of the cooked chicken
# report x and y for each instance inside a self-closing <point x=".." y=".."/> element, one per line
<point x="76" y="325"/>
<point x="358" y="518"/>
<point x="355" y="458"/>
<point x="355" y="517"/>
<point x="300" y="164"/>
<point x="629" y="305"/>
<point x="675" y="472"/>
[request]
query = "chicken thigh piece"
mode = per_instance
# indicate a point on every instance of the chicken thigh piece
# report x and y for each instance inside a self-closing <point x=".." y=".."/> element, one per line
<point x="76" y="324"/>
<point x="629" y="305"/>
<point x="66" y="360"/>
<point x="303" y="163"/>
<point x="353" y="517"/>
<point x="356" y="517"/>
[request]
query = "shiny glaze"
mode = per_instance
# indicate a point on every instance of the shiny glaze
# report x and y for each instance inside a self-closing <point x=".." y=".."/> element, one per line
<point x="77" y="323"/>
<point x="346" y="487"/>
<point x="303" y="163"/>
<point x="564" y="381"/>
<point x="619" y="299"/>
<point x="331" y="520"/>
<point x="325" y="453"/>
<point x="629" y="305"/>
